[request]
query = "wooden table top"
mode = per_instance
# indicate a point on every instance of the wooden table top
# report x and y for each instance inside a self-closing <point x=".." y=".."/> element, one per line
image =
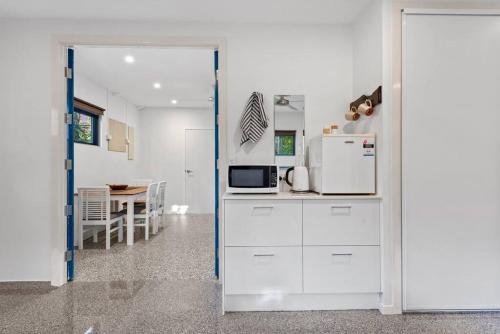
<point x="129" y="191"/>
<point x="133" y="190"/>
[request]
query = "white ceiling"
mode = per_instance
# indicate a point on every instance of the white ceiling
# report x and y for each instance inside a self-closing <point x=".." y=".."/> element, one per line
<point x="185" y="75"/>
<point x="271" y="11"/>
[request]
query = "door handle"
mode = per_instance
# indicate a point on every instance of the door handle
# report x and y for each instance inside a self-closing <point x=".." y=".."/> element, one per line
<point x="264" y="207"/>
<point x="341" y="254"/>
<point x="189" y="171"/>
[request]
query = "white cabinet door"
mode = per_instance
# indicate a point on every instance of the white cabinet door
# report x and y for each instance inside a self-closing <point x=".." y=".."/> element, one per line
<point x="341" y="269"/>
<point x="451" y="162"/>
<point x="263" y="222"/>
<point x="341" y="222"/>
<point x="261" y="270"/>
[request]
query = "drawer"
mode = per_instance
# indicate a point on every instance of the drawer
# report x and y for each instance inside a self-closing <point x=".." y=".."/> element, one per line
<point x="263" y="223"/>
<point x="341" y="269"/>
<point x="341" y="222"/>
<point x="261" y="270"/>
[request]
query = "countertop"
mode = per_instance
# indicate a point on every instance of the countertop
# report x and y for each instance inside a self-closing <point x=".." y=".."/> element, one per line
<point x="297" y="196"/>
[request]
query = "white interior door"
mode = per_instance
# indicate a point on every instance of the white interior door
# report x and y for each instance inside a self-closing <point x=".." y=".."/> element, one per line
<point x="199" y="171"/>
<point x="451" y="162"/>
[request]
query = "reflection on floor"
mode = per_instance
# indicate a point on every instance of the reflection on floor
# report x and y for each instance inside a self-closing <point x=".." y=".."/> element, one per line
<point x="166" y="285"/>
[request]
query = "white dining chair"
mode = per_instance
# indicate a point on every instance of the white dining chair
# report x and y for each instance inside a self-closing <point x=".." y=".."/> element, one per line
<point x="94" y="209"/>
<point x="160" y="203"/>
<point x="147" y="214"/>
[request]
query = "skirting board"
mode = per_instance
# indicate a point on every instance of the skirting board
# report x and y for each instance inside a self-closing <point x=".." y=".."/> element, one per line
<point x="301" y="302"/>
<point x="390" y="310"/>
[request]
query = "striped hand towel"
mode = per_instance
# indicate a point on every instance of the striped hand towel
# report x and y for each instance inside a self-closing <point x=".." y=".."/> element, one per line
<point x="254" y="120"/>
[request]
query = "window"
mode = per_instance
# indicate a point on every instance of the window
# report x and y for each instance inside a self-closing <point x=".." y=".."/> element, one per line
<point x="284" y="143"/>
<point x="86" y="122"/>
<point x="86" y="127"/>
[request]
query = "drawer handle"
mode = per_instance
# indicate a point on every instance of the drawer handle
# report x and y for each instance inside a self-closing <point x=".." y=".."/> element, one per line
<point x="349" y="141"/>
<point x="264" y="207"/>
<point x="263" y="255"/>
<point x="341" y="254"/>
<point x="347" y="206"/>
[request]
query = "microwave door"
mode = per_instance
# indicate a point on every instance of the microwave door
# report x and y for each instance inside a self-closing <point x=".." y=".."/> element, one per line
<point x="247" y="178"/>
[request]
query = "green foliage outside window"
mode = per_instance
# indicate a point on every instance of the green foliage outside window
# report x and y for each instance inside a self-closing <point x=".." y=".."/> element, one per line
<point x="284" y="143"/>
<point x="85" y="128"/>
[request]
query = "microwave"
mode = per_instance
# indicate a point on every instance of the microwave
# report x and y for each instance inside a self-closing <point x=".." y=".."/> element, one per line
<point x="252" y="179"/>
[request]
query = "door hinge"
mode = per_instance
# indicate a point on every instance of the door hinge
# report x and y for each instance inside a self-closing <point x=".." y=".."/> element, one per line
<point x="68" y="164"/>
<point x="68" y="73"/>
<point x="217" y="75"/>
<point x="68" y="210"/>
<point x="68" y="118"/>
<point x="218" y="119"/>
<point x="68" y="256"/>
<point x="218" y="164"/>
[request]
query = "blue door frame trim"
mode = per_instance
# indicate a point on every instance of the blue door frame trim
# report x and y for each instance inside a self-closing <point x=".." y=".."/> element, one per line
<point x="216" y="107"/>
<point x="70" y="172"/>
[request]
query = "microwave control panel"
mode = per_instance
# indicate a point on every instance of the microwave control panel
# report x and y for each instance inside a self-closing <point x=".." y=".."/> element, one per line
<point x="274" y="177"/>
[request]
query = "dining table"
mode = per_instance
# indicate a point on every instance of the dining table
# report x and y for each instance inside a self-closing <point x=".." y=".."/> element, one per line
<point x="130" y="195"/>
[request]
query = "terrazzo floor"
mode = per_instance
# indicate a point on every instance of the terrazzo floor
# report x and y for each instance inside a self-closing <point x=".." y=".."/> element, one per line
<point x="166" y="285"/>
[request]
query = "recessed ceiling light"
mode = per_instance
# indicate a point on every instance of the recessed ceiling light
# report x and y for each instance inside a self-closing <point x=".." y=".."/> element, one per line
<point x="174" y="101"/>
<point x="129" y="59"/>
<point x="157" y="85"/>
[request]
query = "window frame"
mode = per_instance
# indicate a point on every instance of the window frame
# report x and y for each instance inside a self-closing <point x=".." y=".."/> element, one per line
<point x="95" y="127"/>
<point x="284" y="133"/>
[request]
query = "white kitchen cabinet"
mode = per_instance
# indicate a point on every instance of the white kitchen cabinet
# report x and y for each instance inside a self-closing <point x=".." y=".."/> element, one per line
<point x="264" y="223"/>
<point x="341" y="222"/>
<point x="341" y="269"/>
<point x="300" y="252"/>
<point x="261" y="270"/>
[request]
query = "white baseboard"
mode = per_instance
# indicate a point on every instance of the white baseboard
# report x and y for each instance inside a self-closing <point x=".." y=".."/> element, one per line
<point x="301" y="302"/>
<point x="390" y="309"/>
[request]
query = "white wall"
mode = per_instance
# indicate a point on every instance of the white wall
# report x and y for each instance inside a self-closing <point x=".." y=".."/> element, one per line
<point x="367" y="64"/>
<point x="162" y="154"/>
<point x="314" y="60"/>
<point x="95" y="165"/>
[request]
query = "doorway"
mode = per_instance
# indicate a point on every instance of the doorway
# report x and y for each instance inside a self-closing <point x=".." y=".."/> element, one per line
<point x="199" y="174"/>
<point x="212" y="177"/>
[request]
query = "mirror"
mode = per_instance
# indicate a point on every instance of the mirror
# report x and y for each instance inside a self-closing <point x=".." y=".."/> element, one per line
<point x="289" y="124"/>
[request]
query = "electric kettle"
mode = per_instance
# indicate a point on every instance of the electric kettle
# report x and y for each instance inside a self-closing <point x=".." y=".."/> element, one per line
<point x="300" y="182"/>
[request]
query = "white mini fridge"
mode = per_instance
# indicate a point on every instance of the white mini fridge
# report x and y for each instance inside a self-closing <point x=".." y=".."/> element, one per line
<point x="343" y="164"/>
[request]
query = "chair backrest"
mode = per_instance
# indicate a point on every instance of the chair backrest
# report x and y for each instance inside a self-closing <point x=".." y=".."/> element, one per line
<point x="151" y="197"/>
<point x="162" y="187"/>
<point x="141" y="182"/>
<point x="94" y="203"/>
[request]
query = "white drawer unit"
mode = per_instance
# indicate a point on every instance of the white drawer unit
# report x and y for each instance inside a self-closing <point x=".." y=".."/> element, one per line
<point x="263" y="270"/>
<point x="263" y="223"/>
<point x="291" y="252"/>
<point x="341" y="269"/>
<point x="341" y="222"/>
